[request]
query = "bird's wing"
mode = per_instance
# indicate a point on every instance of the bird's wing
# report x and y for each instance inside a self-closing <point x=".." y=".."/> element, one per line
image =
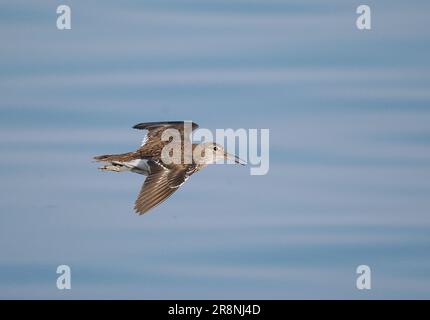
<point x="156" y="129"/>
<point x="158" y="186"/>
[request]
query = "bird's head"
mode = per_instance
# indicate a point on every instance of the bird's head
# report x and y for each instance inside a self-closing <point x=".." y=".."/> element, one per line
<point x="211" y="152"/>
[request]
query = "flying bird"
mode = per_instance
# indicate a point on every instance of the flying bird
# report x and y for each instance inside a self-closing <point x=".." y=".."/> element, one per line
<point x="164" y="178"/>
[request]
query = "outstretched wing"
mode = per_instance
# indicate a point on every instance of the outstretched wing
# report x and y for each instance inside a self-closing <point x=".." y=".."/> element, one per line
<point x="158" y="186"/>
<point x="152" y="144"/>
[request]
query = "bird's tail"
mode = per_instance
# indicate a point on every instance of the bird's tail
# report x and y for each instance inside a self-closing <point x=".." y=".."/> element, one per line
<point x="123" y="157"/>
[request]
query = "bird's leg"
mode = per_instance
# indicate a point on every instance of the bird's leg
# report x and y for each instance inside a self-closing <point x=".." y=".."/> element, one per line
<point x="116" y="167"/>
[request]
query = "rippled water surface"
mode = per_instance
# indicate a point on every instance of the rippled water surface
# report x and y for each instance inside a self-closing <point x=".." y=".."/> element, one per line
<point x="349" y="119"/>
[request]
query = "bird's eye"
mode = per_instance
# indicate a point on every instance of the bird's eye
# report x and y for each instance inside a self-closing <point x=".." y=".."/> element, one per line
<point x="215" y="148"/>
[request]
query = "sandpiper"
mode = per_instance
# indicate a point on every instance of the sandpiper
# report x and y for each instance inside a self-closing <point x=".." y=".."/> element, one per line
<point x="164" y="177"/>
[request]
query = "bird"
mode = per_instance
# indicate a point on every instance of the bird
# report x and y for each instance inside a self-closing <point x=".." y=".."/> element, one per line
<point x="163" y="178"/>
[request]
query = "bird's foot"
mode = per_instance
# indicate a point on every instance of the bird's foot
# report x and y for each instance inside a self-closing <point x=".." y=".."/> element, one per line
<point x="111" y="167"/>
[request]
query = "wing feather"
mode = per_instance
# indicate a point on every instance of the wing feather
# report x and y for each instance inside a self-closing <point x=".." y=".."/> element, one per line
<point x="152" y="144"/>
<point x="158" y="186"/>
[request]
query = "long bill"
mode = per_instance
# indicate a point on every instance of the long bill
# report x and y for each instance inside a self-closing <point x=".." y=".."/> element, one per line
<point x="234" y="158"/>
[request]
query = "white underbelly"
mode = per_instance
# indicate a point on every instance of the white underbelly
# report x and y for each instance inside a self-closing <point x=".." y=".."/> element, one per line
<point x="138" y="165"/>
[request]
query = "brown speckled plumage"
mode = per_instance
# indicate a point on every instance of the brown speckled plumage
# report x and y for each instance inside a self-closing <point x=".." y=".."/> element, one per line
<point x="163" y="179"/>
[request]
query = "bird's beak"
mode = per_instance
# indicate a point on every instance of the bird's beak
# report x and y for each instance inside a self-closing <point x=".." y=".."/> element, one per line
<point x="234" y="158"/>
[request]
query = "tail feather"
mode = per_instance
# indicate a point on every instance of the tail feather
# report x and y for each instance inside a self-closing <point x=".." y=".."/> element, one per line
<point x="116" y="157"/>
